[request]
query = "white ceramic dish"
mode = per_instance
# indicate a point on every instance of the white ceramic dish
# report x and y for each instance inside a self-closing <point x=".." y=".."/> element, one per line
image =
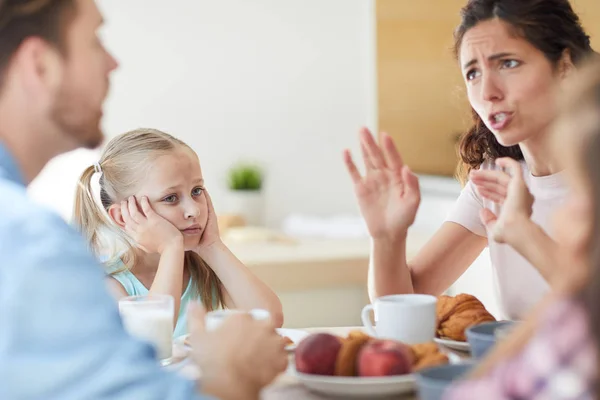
<point x="180" y="354"/>
<point x="453" y="344"/>
<point x="358" y="386"/>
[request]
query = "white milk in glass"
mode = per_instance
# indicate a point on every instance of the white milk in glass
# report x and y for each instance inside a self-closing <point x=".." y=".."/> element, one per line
<point x="154" y="326"/>
<point x="150" y="319"/>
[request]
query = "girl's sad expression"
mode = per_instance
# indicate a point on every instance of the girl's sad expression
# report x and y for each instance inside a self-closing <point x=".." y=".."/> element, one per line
<point x="174" y="186"/>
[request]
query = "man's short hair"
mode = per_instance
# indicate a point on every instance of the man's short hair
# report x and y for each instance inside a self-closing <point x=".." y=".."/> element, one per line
<point x="21" y="19"/>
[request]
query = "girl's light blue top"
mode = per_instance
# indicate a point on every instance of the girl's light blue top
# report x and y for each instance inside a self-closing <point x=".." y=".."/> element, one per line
<point x="134" y="287"/>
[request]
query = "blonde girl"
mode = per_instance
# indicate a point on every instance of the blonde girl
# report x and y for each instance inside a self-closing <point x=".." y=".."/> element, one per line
<point x="157" y="229"/>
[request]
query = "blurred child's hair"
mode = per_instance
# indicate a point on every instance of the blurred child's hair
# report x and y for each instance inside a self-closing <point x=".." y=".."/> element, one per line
<point x="580" y="109"/>
<point x="123" y="163"/>
<point x="583" y="108"/>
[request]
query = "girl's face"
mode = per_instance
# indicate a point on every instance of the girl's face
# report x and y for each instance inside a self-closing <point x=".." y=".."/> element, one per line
<point x="510" y="83"/>
<point x="175" y="188"/>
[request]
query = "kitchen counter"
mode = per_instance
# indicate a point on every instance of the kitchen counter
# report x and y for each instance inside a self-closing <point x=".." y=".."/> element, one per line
<point x="319" y="282"/>
<point x="311" y="263"/>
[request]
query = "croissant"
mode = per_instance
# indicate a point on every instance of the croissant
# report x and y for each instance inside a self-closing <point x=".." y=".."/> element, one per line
<point x="427" y="355"/>
<point x="346" y="360"/>
<point x="456" y="314"/>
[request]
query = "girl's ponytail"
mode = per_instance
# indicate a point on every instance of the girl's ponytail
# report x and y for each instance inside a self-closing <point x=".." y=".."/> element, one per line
<point x="87" y="214"/>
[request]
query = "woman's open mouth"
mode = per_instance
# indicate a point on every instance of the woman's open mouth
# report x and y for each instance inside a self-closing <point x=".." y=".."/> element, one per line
<point x="500" y="120"/>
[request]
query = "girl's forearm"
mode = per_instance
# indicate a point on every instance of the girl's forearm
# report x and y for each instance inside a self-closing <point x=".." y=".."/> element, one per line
<point x="169" y="276"/>
<point x="245" y="289"/>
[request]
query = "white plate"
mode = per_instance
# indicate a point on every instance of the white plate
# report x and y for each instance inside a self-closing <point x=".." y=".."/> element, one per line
<point x="296" y="335"/>
<point x="180" y="354"/>
<point x="453" y="344"/>
<point x="350" y="386"/>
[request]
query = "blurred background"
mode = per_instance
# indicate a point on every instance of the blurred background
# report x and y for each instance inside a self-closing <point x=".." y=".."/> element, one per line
<point x="283" y="86"/>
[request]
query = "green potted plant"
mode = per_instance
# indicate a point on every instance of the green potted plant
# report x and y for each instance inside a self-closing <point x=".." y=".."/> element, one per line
<point x="246" y="177"/>
<point x="245" y="183"/>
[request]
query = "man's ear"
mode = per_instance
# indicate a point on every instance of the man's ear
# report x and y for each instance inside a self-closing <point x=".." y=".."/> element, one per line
<point x="41" y="65"/>
<point x="114" y="212"/>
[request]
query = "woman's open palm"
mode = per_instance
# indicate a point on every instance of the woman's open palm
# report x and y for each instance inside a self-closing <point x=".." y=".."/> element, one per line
<point x="388" y="194"/>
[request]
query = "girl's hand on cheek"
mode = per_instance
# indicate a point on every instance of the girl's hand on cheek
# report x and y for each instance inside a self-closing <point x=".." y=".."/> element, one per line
<point x="211" y="234"/>
<point x="151" y="232"/>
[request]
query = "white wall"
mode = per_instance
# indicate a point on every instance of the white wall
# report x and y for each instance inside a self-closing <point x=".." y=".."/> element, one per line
<point x="286" y="83"/>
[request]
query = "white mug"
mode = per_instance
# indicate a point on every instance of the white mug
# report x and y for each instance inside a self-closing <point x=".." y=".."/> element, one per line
<point x="215" y="318"/>
<point x="409" y="318"/>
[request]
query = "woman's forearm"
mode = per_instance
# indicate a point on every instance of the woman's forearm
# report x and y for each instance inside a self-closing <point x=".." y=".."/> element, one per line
<point x="388" y="270"/>
<point x="537" y="247"/>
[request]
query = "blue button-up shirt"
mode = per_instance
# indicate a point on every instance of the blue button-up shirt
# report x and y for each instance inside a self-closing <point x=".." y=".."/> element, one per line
<point x="61" y="336"/>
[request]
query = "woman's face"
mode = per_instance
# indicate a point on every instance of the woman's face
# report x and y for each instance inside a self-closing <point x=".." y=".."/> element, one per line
<point x="510" y="83"/>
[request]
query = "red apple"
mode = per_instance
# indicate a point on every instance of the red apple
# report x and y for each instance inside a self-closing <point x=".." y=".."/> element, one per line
<point x="384" y="357"/>
<point x="317" y="353"/>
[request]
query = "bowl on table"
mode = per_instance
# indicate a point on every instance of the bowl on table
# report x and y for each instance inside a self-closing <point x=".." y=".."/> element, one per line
<point x="483" y="337"/>
<point x="433" y="382"/>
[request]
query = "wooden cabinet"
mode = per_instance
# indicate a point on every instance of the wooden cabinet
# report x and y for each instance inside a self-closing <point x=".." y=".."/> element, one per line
<point x="589" y="12"/>
<point x="421" y="95"/>
<point x="421" y="100"/>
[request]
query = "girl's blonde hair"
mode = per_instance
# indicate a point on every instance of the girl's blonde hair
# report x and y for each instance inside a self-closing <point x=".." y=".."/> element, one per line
<point x="123" y="164"/>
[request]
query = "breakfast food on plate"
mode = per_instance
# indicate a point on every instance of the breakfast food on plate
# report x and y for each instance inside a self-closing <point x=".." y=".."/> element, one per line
<point x="359" y="354"/>
<point x="345" y="364"/>
<point x="357" y="334"/>
<point x="427" y="355"/>
<point x="287" y="341"/>
<point x="384" y="357"/>
<point x="456" y="314"/>
<point x="317" y="354"/>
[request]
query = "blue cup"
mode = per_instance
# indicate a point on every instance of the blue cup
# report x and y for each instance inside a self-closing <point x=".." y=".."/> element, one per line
<point x="482" y="337"/>
<point x="433" y="382"/>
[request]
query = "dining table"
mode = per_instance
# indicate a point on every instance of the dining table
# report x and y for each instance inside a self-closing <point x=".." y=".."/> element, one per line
<point x="287" y="386"/>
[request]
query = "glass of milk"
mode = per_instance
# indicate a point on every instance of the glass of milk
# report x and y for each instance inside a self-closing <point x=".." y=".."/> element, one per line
<point x="150" y="318"/>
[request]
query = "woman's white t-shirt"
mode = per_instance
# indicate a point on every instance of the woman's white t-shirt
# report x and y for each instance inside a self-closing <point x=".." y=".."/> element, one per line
<point x="519" y="286"/>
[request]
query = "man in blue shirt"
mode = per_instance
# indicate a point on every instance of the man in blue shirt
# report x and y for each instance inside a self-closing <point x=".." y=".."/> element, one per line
<point x="60" y="332"/>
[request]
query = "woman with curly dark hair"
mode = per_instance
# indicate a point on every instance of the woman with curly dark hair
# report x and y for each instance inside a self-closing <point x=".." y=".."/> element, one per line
<point x="514" y="55"/>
